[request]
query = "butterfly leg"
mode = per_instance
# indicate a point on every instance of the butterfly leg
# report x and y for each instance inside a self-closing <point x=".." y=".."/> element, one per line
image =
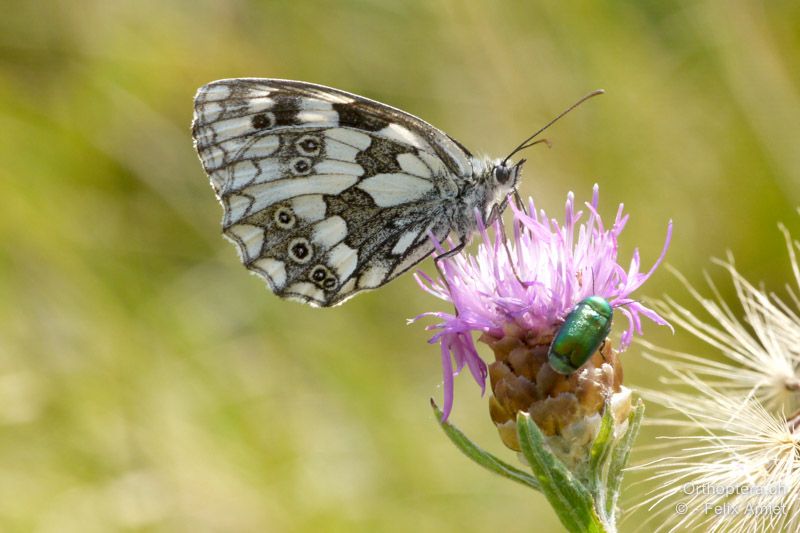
<point x="495" y="215"/>
<point x="446" y="255"/>
<point x="602" y="347"/>
<point x="519" y="202"/>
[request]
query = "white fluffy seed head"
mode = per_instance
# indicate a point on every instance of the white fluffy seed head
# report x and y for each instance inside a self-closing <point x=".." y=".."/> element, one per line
<point x="760" y="351"/>
<point x="736" y="468"/>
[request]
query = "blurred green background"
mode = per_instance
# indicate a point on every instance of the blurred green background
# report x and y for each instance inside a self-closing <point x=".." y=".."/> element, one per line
<point x="148" y="383"/>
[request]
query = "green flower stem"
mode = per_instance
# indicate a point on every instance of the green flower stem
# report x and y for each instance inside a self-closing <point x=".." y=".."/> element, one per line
<point x="570" y="499"/>
<point x="587" y="506"/>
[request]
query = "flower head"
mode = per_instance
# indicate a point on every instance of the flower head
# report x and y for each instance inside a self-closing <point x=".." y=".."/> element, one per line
<point x="739" y="472"/>
<point x="527" y="284"/>
<point x="735" y="421"/>
<point x="761" y="353"/>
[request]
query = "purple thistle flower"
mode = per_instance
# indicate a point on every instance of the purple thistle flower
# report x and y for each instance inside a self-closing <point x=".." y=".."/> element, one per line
<point x="531" y="281"/>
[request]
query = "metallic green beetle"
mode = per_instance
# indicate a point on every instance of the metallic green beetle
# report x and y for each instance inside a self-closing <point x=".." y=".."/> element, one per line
<point x="583" y="331"/>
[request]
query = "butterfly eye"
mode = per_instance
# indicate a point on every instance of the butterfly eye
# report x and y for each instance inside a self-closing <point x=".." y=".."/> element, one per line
<point x="502" y="174"/>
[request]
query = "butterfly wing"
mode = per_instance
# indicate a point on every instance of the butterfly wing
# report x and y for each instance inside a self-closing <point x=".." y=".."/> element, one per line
<point x="325" y="193"/>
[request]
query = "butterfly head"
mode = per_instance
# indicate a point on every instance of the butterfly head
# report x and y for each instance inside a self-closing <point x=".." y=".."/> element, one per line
<point x="501" y="179"/>
<point x="505" y="176"/>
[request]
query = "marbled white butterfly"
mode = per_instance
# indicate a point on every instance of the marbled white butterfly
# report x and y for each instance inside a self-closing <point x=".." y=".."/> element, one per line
<point x="326" y="193"/>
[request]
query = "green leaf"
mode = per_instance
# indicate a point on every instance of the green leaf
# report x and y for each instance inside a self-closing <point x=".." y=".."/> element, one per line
<point x="482" y="457"/>
<point x="600" y="448"/>
<point x="619" y="458"/>
<point x="598" y="458"/>
<point x="569" y="498"/>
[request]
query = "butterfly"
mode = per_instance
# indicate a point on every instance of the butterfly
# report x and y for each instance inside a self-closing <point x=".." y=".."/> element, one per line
<point x="326" y="193"/>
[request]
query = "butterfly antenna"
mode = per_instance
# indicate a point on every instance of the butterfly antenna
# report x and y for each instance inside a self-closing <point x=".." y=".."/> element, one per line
<point x="524" y="144"/>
